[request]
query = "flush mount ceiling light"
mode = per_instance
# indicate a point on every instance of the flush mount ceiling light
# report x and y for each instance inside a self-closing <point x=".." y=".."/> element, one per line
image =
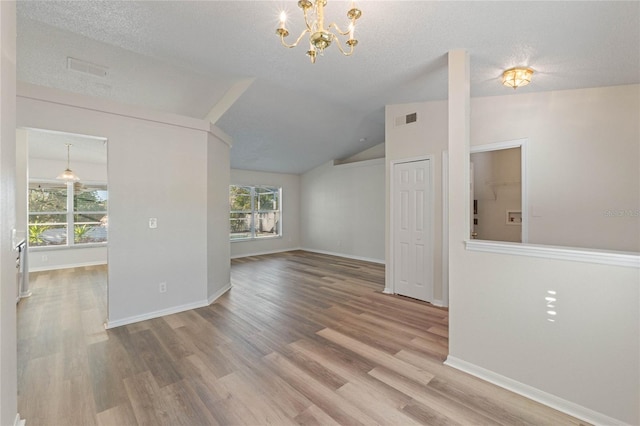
<point x="68" y="175"/>
<point x="320" y="37"/>
<point x="516" y="77"/>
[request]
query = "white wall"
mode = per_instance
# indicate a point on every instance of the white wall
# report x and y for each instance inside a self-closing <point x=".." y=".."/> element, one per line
<point x="8" y="352"/>
<point x="41" y="169"/>
<point x="47" y="259"/>
<point x="158" y="167"/>
<point x="427" y="136"/>
<point x="586" y="362"/>
<point x="589" y="356"/>
<point x="376" y="151"/>
<point x="290" y="239"/>
<point x="583" y="158"/>
<point x="583" y="161"/>
<point x="342" y="210"/>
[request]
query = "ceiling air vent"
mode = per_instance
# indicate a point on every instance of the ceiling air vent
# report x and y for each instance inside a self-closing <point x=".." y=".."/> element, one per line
<point x="406" y="119"/>
<point x="86" y="67"/>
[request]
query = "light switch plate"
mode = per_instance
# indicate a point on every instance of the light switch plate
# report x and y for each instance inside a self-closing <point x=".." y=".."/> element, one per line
<point x="153" y="222"/>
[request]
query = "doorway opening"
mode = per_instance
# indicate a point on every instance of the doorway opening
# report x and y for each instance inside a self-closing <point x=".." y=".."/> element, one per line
<point x="64" y="221"/>
<point x="498" y="192"/>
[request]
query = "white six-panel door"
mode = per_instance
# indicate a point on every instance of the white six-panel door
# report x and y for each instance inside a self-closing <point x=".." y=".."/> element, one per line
<point x="411" y="223"/>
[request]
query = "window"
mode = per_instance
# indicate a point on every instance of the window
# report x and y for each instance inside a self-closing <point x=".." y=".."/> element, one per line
<point x="254" y="212"/>
<point x="57" y="207"/>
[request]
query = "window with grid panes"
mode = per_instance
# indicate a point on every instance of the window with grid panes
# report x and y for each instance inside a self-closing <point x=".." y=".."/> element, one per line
<point x="255" y="212"/>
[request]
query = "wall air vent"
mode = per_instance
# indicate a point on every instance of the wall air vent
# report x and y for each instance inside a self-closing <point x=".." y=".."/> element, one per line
<point x="86" y="67"/>
<point x="406" y="119"/>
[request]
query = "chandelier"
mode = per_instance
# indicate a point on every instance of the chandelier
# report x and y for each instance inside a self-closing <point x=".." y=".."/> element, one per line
<point x="320" y="37"/>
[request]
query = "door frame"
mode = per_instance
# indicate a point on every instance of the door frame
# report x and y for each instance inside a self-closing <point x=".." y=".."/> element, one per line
<point x="390" y="287"/>
<point x="524" y="204"/>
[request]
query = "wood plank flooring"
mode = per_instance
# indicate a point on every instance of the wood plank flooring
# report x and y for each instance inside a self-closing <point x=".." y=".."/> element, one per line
<point x="301" y="338"/>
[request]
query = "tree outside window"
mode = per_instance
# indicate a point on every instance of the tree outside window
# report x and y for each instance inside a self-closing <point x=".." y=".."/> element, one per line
<point x="56" y="207"/>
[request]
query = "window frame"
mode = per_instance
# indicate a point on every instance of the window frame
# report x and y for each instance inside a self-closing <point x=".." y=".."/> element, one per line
<point x="69" y="214"/>
<point x="254" y="212"/>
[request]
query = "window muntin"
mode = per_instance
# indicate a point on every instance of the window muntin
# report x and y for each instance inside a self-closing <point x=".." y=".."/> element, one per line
<point x="254" y="212"/>
<point x="57" y="207"/>
<point x="90" y="214"/>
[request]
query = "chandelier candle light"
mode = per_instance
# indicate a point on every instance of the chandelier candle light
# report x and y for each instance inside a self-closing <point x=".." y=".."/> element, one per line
<point x="320" y="37"/>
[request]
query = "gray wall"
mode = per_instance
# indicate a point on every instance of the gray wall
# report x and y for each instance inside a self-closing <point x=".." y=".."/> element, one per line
<point x="217" y="244"/>
<point x="158" y="166"/>
<point x="342" y="210"/>
<point x="8" y="352"/>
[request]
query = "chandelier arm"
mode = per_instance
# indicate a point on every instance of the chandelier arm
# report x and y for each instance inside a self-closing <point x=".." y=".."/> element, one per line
<point x="321" y="37"/>
<point x="338" y="30"/>
<point x="296" y="42"/>
<point x="344" y="52"/>
<point x="306" y="21"/>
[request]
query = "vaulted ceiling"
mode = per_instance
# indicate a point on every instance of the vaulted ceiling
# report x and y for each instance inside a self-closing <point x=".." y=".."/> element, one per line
<point x="222" y="60"/>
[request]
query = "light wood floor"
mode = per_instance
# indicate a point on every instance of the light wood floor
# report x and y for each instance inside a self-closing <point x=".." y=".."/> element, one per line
<point x="300" y="339"/>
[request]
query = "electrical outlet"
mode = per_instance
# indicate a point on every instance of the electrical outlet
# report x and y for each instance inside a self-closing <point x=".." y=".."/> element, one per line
<point x="45" y="258"/>
<point x="153" y="222"/>
<point x="162" y="287"/>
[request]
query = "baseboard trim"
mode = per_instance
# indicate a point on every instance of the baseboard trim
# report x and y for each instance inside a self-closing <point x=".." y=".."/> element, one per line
<point x="168" y="311"/>
<point x="156" y="314"/>
<point x="72" y="265"/>
<point x="435" y="302"/>
<point x="262" y="253"/>
<point x="23" y="295"/>
<point x="348" y="256"/>
<point x="215" y="296"/>
<point x="534" y="394"/>
<point x="18" y="421"/>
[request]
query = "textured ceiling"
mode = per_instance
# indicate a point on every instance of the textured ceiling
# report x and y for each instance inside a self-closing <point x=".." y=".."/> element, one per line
<point x="183" y="57"/>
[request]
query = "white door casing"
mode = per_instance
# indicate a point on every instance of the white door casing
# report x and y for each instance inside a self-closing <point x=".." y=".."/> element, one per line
<point x="472" y="226"/>
<point x="412" y="210"/>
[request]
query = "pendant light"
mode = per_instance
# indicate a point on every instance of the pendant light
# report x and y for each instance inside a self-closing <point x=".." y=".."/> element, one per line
<point x="68" y="175"/>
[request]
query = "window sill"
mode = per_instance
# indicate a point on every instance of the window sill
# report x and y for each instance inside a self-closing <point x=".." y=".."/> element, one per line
<point x="604" y="257"/>
<point x="237" y="240"/>
<point x="61" y="247"/>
